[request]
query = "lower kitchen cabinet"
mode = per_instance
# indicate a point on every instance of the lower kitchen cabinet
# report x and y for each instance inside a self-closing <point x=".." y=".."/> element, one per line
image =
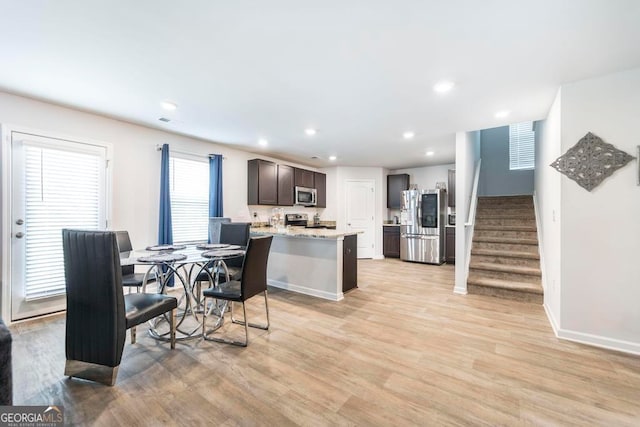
<point x="349" y="262"/>
<point x="391" y="241"/>
<point x="450" y="245"/>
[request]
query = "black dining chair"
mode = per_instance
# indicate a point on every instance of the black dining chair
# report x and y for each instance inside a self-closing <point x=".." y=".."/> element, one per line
<point x="130" y="278"/>
<point x="235" y="233"/>
<point x="252" y="283"/>
<point x="232" y="233"/>
<point x="98" y="312"/>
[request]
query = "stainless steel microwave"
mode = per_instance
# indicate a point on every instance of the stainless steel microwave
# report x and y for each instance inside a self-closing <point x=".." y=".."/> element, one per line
<point x="305" y="196"/>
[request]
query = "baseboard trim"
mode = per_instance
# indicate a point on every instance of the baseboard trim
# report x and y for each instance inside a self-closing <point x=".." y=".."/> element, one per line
<point x="552" y="319"/>
<point x="460" y="291"/>
<point x="600" y="341"/>
<point x="305" y="290"/>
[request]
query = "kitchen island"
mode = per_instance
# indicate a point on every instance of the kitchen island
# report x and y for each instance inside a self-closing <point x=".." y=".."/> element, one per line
<point x="317" y="262"/>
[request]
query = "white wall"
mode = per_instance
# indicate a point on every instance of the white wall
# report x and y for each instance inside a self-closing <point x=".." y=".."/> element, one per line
<point x="495" y="177"/>
<point x="135" y="162"/>
<point x="548" y="207"/>
<point x="600" y="294"/>
<point x="467" y="155"/>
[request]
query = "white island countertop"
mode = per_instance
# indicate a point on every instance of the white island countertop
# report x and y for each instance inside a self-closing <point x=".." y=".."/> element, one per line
<point x="314" y="233"/>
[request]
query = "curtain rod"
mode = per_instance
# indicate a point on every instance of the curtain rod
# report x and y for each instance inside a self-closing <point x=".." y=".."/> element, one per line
<point x="159" y="148"/>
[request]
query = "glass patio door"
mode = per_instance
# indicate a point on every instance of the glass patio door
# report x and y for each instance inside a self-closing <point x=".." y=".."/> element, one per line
<point x="56" y="184"/>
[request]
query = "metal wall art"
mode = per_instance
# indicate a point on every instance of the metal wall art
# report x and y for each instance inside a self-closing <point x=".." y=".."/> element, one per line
<point x="591" y="161"/>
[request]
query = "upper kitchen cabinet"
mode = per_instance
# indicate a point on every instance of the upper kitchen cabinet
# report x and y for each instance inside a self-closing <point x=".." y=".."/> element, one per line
<point x="263" y="183"/>
<point x="396" y="184"/>
<point x="285" y="185"/>
<point x="451" y="189"/>
<point x="320" y="182"/>
<point x="304" y="178"/>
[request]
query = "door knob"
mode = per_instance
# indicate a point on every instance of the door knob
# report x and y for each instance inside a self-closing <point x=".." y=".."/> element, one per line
<point x="19" y="234"/>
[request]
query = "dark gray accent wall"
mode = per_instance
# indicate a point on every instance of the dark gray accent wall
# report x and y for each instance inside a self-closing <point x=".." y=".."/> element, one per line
<point x="495" y="177"/>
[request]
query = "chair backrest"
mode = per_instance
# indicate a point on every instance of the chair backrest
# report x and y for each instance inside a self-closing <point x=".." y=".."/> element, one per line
<point x="254" y="268"/>
<point x="235" y="233"/>
<point x="124" y="245"/>
<point x="214" y="228"/>
<point x="96" y="323"/>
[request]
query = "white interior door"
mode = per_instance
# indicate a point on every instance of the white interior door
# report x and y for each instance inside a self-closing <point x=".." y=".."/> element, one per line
<point x="360" y="205"/>
<point x="56" y="184"/>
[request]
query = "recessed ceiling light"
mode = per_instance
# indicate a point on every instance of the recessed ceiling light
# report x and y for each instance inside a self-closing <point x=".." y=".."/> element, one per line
<point x="429" y="153"/>
<point x="502" y="114"/>
<point x="443" y="86"/>
<point x="310" y="131"/>
<point x="263" y="142"/>
<point x="332" y="158"/>
<point x="408" y="135"/>
<point x="170" y="106"/>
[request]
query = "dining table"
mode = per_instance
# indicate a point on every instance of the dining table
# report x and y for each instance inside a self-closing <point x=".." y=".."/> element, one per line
<point x="181" y="268"/>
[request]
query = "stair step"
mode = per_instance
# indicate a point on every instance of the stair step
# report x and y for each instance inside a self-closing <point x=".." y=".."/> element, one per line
<point x="508" y="240"/>
<point x="506" y="198"/>
<point x="508" y="234"/>
<point x="484" y="227"/>
<point x="531" y="222"/>
<point x="505" y="268"/>
<point x="507" y="289"/>
<point x="502" y="253"/>
<point x="511" y="247"/>
<point x="504" y="215"/>
<point x="507" y="260"/>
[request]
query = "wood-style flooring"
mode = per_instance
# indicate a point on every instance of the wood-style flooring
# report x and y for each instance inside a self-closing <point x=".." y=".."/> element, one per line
<point x="402" y="349"/>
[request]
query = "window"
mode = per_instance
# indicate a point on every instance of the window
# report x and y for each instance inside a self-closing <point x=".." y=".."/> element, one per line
<point x="521" y="146"/>
<point x="62" y="189"/>
<point x="189" y="182"/>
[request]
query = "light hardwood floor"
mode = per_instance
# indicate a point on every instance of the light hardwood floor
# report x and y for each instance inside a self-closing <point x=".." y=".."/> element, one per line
<point x="400" y="350"/>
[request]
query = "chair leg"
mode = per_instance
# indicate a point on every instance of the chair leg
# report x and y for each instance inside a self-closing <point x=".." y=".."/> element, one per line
<point x="246" y="328"/>
<point x="133" y="334"/>
<point x="254" y="325"/>
<point x="172" y="326"/>
<point x="91" y="371"/>
<point x="221" y="340"/>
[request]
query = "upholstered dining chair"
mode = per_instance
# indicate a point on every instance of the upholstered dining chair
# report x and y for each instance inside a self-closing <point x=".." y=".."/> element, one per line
<point x="252" y="283"/>
<point x="235" y="233"/>
<point x="98" y="312"/>
<point x="232" y="233"/>
<point x="130" y="278"/>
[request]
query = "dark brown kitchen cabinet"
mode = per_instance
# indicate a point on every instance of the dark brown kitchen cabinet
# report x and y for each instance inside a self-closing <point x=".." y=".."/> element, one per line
<point x="349" y="262"/>
<point x="451" y="189"/>
<point x="450" y="245"/>
<point x="262" y="182"/>
<point x="285" y="185"/>
<point x="391" y="241"/>
<point x="320" y="183"/>
<point x="396" y="184"/>
<point x="304" y="178"/>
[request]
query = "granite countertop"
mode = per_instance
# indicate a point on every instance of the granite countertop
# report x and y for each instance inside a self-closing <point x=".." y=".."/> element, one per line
<point x="314" y="233"/>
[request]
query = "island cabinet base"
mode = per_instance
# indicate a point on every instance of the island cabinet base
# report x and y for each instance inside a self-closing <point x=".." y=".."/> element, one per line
<point x="322" y="268"/>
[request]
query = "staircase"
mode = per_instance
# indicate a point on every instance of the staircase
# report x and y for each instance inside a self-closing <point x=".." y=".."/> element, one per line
<point x="504" y="257"/>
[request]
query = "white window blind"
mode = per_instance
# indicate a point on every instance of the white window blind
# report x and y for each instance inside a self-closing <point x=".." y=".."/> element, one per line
<point x="63" y="189"/>
<point x="189" y="183"/>
<point x="521" y="146"/>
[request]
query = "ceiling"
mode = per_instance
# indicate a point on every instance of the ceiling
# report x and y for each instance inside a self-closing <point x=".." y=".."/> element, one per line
<point x="360" y="72"/>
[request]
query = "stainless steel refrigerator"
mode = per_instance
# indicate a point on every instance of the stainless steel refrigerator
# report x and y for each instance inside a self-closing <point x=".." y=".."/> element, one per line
<point x="422" y="226"/>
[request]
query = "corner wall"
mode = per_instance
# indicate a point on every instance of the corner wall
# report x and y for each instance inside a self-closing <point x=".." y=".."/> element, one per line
<point x="467" y="155"/>
<point x="548" y="208"/>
